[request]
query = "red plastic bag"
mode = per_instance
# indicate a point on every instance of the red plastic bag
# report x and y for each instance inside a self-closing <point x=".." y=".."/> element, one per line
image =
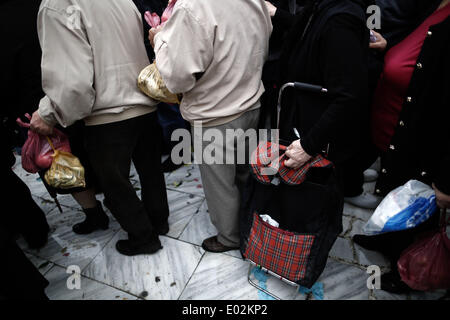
<point x="37" y="154"/>
<point x="425" y="265"/>
<point x="153" y="19"/>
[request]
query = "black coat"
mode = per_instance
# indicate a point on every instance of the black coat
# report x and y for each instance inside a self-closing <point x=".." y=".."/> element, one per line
<point x="333" y="54"/>
<point x="20" y="65"/>
<point x="420" y="148"/>
<point x="400" y="17"/>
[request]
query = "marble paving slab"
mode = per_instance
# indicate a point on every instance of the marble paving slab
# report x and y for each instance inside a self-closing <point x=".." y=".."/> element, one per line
<point x="66" y="248"/>
<point x="89" y="289"/>
<point x="42" y="265"/>
<point x="346" y="225"/>
<point x="384" y="295"/>
<point x="344" y="282"/>
<point x="186" y="179"/>
<point x="200" y="227"/>
<point x="225" y="278"/>
<point x="45" y="204"/>
<point x="360" y="213"/>
<point x="368" y="257"/>
<point x="183" y="207"/>
<point x="357" y="228"/>
<point x="343" y="249"/>
<point x="161" y="276"/>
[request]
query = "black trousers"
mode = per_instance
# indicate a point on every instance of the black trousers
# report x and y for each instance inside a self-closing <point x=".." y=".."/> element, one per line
<point x="24" y="217"/>
<point x="19" y="215"/>
<point x="111" y="148"/>
<point x="21" y="280"/>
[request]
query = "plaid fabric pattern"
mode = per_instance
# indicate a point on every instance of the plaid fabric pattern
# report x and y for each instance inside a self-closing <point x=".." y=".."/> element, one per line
<point x="266" y="157"/>
<point x="279" y="251"/>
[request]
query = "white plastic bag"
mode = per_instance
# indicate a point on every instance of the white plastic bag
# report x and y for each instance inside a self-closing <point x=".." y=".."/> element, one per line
<point x="403" y="208"/>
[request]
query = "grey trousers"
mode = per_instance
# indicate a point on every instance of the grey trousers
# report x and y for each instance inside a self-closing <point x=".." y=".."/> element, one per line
<point x="222" y="182"/>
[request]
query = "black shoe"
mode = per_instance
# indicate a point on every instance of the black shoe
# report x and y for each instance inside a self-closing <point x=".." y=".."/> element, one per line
<point x="213" y="245"/>
<point x="391" y="282"/>
<point x="37" y="240"/>
<point x="374" y="243"/>
<point x="96" y="219"/>
<point x="129" y="248"/>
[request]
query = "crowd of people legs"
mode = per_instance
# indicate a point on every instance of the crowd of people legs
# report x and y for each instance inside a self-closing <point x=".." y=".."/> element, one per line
<point x="387" y="103"/>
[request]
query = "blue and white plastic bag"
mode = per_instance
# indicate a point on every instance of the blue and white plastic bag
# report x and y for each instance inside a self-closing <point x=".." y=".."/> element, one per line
<point x="403" y="208"/>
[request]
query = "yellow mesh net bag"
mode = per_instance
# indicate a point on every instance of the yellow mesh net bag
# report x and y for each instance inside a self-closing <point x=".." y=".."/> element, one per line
<point x="66" y="171"/>
<point x="151" y="83"/>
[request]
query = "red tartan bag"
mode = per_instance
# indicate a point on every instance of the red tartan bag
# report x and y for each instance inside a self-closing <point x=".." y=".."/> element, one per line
<point x="282" y="252"/>
<point x="425" y="265"/>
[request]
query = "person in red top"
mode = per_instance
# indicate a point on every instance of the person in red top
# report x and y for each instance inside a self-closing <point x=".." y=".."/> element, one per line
<point x="409" y="126"/>
<point x="399" y="65"/>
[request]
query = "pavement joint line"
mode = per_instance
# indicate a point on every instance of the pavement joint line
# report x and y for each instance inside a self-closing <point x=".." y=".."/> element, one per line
<point x="189" y="280"/>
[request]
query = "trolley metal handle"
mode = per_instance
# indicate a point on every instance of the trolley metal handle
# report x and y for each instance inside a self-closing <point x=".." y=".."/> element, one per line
<point x="299" y="86"/>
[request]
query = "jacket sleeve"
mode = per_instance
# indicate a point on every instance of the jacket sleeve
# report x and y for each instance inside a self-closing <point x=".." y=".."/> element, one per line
<point x="184" y="50"/>
<point x="67" y="70"/>
<point x="343" y="63"/>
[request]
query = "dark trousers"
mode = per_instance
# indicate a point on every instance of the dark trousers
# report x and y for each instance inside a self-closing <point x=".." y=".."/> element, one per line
<point x="111" y="147"/>
<point x="24" y="217"/>
<point x="21" y="280"/>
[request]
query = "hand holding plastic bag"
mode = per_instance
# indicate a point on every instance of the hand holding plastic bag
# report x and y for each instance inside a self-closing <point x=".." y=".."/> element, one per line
<point x="154" y="20"/>
<point x="37" y="154"/>
<point x="150" y="81"/>
<point x="403" y="208"/>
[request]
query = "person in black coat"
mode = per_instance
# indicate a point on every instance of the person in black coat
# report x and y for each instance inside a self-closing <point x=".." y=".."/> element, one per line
<point x="328" y="47"/>
<point x="420" y="145"/>
<point x="398" y="19"/>
<point x="20" y="87"/>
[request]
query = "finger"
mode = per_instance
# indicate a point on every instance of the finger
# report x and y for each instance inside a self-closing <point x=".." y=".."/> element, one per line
<point x="289" y="163"/>
<point x="288" y="153"/>
<point x="292" y="164"/>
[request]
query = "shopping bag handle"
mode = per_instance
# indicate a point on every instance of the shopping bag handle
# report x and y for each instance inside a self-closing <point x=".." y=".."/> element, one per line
<point x="51" y="144"/>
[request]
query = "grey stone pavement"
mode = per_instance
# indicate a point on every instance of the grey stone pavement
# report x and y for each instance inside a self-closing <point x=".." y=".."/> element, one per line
<point x="183" y="270"/>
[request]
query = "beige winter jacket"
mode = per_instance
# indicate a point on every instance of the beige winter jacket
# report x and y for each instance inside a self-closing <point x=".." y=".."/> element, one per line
<point x="213" y="52"/>
<point x="93" y="52"/>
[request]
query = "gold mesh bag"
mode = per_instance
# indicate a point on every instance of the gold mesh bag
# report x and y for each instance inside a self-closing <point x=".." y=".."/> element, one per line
<point x="66" y="171"/>
<point x="151" y="83"/>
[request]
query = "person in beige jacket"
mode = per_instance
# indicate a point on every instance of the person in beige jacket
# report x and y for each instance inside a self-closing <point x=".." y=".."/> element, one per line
<point x="93" y="52"/>
<point x="213" y="53"/>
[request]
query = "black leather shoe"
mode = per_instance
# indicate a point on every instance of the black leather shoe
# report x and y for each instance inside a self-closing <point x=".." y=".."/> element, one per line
<point x="129" y="248"/>
<point x="392" y="283"/>
<point x="213" y="245"/>
<point x="374" y="243"/>
<point x="96" y="219"/>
